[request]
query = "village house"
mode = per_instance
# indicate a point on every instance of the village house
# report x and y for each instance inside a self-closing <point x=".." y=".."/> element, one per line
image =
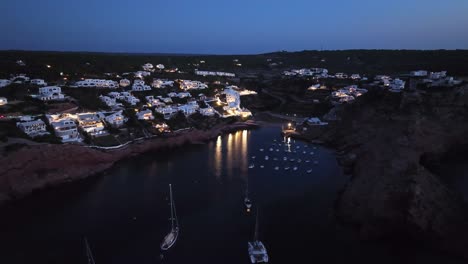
<point x="141" y="74"/>
<point x="208" y="111"/>
<point x="148" y="67"/>
<point x="99" y="83"/>
<point x="162" y="127"/>
<point x="4" y="83"/>
<point x="50" y="93"/>
<point x="3" y="101"/>
<point x="139" y="85"/>
<point x="158" y="83"/>
<point x="437" y="75"/>
<point x="91" y="124"/>
<point x="109" y="101"/>
<point x="39" y="82"/>
<point x="116" y="119"/>
<point x="160" y="66"/>
<point x="396" y="86"/>
<point x="167" y="111"/>
<point x="315" y="121"/>
<point x="20" y="63"/>
<point x="192" y="85"/>
<point x="348" y="94"/>
<point x="189" y="108"/>
<point x="124" y="82"/>
<point x="419" y="73"/>
<point x="153" y="101"/>
<point x="66" y="129"/>
<point x="166" y="100"/>
<point x="213" y="73"/>
<point x="355" y="76"/>
<point x="145" y="115"/>
<point x="33" y="128"/>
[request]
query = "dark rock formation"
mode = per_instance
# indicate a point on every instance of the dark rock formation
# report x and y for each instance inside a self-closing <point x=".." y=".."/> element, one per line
<point x="381" y="139"/>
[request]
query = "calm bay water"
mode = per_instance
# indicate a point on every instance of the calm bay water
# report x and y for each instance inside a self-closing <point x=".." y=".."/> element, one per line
<point x="124" y="213"/>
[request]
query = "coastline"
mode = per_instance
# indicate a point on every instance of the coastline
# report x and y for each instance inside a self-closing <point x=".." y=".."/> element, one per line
<point x="39" y="166"/>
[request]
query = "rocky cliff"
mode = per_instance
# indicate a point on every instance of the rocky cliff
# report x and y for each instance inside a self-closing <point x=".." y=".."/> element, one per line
<point x="381" y="140"/>
<point x="33" y="167"/>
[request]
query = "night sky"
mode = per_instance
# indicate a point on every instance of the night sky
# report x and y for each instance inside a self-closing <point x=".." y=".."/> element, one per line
<point x="232" y="27"/>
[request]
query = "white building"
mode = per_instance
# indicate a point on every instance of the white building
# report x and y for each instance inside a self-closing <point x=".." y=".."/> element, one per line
<point x="91" y="124"/>
<point x="348" y="94"/>
<point x="396" y="86"/>
<point x="315" y="121"/>
<point x="419" y="73"/>
<point x="141" y="74"/>
<point x="20" y="63"/>
<point x="38" y="82"/>
<point x="355" y="76"/>
<point x="129" y="98"/>
<point x="214" y="73"/>
<point x="49" y="93"/>
<point x="167" y="111"/>
<point x="116" y="119"/>
<point x="97" y="83"/>
<point x="148" y="67"/>
<point x="160" y="66"/>
<point x="192" y="85"/>
<point x="124" y="82"/>
<point x="209" y="111"/>
<point x="109" y="101"/>
<point x="139" y="85"/>
<point x="33" y="128"/>
<point x="66" y="129"/>
<point x="232" y="97"/>
<point x="437" y="75"/>
<point x="145" y="115"/>
<point x="158" y="83"/>
<point x="4" y="82"/>
<point x="3" y="101"/>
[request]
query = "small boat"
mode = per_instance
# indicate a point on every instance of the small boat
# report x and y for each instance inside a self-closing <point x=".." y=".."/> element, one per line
<point x="307" y="161"/>
<point x="247" y="203"/>
<point x="309" y="171"/>
<point x="261" y="149"/>
<point x="171" y="237"/>
<point x="316" y="162"/>
<point x="312" y="153"/>
<point x="286" y="168"/>
<point x="298" y="147"/>
<point x="89" y="253"/>
<point x="257" y="250"/>
<point x="275" y="158"/>
<point x="261" y="166"/>
<point x="267" y="158"/>
<point x="271" y="149"/>
<point x="292" y="160"/>
<point x="299" y="161"/>
<point x="295" y="168"/>
<point x="285" y="158"/>
<point x="253" y="157"/>
<point x="277" y="150"/>
<point x="304" y="152"/>
<point x="251" y="166"/>
<point x="276" y="168"/>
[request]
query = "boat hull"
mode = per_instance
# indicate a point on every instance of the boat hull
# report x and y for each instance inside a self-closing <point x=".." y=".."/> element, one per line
<point x="170" y="239"/>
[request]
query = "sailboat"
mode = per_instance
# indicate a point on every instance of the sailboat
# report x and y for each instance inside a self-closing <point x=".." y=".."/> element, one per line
<point x="257" y="251"/>
<point x="89" y="254"/>
<point x="171" y="237"/>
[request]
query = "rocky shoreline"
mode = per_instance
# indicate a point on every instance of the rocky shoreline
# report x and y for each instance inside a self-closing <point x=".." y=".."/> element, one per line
<point x="381" y="142"/>
<point x="38" y="166"/>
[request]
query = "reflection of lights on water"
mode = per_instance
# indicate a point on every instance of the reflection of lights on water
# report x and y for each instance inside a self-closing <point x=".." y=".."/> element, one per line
<point x="218" y="156"/>
<point x="244" y="155"/>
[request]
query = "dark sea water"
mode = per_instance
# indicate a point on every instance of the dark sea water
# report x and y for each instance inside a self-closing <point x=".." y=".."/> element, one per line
<point x="124" y="213"/>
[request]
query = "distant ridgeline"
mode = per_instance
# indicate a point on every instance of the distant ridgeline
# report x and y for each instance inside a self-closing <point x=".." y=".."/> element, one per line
<point x="362" y="61"/>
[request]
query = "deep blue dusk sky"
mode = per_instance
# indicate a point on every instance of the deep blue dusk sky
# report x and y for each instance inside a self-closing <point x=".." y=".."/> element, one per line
<point x="236" y="27"/>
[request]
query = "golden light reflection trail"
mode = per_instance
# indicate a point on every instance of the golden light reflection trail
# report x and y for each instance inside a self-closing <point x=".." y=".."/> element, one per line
<point x="229" y="155"/>
<point x="218" y="157"/>
<point x="244" y="155"/>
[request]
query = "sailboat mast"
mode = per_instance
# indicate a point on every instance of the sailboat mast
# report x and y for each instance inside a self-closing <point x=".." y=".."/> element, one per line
<point x="172" y="206"/>
<point x="89" y="254"/>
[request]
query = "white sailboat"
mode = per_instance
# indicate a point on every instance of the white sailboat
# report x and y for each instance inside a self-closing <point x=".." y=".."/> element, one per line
<point x="89" y="254"/>
<point x="247" y="201"/>
<point x="257" y="250"/>
<point x="171" y="237"/>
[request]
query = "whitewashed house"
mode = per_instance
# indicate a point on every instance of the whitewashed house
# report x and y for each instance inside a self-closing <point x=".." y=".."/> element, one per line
<point x="141" y="74"/>
<point x="50" y="93"/>
<point x="167" y="111"/>
<point x="213" y="73"/>
<point x="192" y="85"/>
<point x="66" y="129"/>
<point x="39" y="82"/>
<point x="148" y="67"/>
<point x="100" y="83"/>
<point x="438" y="75"/>
<point x="396" y="86"/>
<point x="33" y="128"/>
<point x="124" y="82"/>
<point x="189" y="109"/>
<point x="20" y="63"/>
<point x="160" y="66"/>
<point x="3" y="101"/>
<point x="116" y="119"/>
<point x="315" y="121"/>
<point x="139" y="85"/>
<point x="420" y="73"/>
<point x="209" y="111"/>
<point x="109" y="101"/>
<point x="355" y="76"/>
<point x="158" y="83"/>
<point x="4" y="83"/>
<point x="145" y="115"/>
<point x="91" y="124"/>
